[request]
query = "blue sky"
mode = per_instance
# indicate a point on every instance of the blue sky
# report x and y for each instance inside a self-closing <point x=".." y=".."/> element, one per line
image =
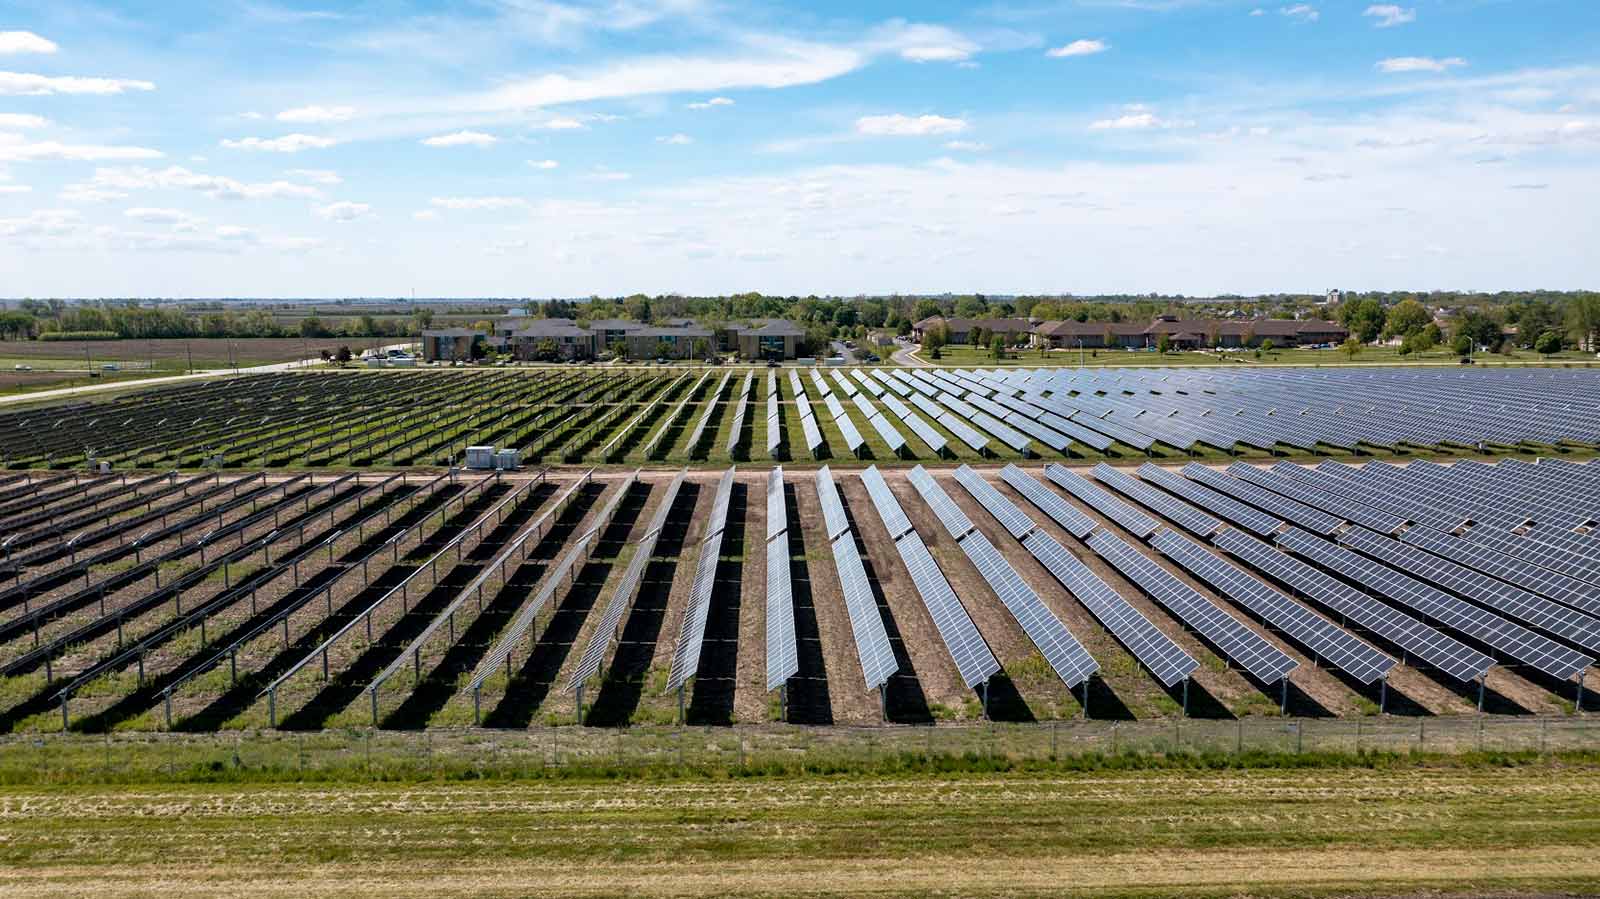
<point x="532" y="148"/>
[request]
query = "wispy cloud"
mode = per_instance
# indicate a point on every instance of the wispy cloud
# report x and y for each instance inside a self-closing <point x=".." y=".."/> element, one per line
<point x="1401" y="64"/>
<point x="543" y="164"/>
<point x="343" y="211"/>
<point x="42" y="151"/>
<point x="22" y="120"/>
<point x="461" y="139"/>
<point x="479" y="202"/>
<point x="1079" y="48"/>
<point x="1302" y="13"/>
<point x="289" y="143"/>
<point x="679" y="139"/>
<point x="1389" y="15"/>
<point x="312" y="115"/>
<point x="22" y="84"/>
<point x="112" y="183"/>
<point x="315" y="176"/>
<point x="711" y="103"/>
<point x="18" y="42"/>
<point x="898" y="125"/>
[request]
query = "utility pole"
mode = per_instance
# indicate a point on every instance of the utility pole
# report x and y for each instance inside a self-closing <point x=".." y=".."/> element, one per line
<point x="188" y="350"/>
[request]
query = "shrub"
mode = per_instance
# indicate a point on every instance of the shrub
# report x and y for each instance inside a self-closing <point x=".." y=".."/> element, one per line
<point x="49" y="336"/>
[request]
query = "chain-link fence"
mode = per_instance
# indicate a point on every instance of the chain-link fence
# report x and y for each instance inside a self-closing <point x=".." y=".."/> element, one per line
<point x="512" y="753"/>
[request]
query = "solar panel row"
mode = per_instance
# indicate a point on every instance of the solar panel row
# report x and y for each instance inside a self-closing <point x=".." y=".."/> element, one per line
<point x="692" y="633"/>
<point x="783" y="656"/>
<point x="877" y="659"/>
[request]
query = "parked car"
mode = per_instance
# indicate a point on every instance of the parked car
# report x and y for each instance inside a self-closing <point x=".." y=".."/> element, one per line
<point x="22" y="367"/>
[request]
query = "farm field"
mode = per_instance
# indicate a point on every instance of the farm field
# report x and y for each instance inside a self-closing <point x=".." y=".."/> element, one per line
<point x="1441" y="829"/>
<point x="172" y="354"/>
<point x="18" y="382"/>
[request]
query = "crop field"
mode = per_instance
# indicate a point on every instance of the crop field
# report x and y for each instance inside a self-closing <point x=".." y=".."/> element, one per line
<point x="713" y="416"/>
<point x="172" y="354"/>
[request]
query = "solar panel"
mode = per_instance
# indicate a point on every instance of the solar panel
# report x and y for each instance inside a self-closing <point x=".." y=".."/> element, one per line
<point x="964" y="432"/>
<point x="1176" y="511"/>
<point x="1065" y="655"/>
<point x="925" y="432"/>
<point x="777" y="506"/>
<point x="1480" y="624"/>
<point x="803" y="405"/>
<point x="1316" y="521"/>
<point x="1347" y="509"/>
<point x="1247" y="517"/>
<point x="1323" y="638"/>
<point x="1554" y="585"/>
<point x="1514" y="602"/>
<point x="888" y="433"/>
<point x="852" y="437"/>
<point x="692" y="633"/>
<point x="1007" y="434"/>
<point x="894" y="518"/>
<point x="1136" y="522"/>
<point x="1037" y="431"/>
<point x="611" y="616"/>
<point x="1420" y="640"/>
<point x="783" y="658"/>
<point x="971" y="655"/>
<point x="822" y="386"/>
<point x="864" y="404"/>
<point x="866" y="623"/>
<point x="774" y="425"/>
<point x="813" y="434"/>
<point x="844" y="383"/>
<point x="1049" y="502"/>
<point x="1166" y="660"/>
<point x="835" y="408"/>
<point x="950" y="515"/>
<point x="1014" y="520"/>
<point x="832" y="510"/>
<point x="1233" y="639"/>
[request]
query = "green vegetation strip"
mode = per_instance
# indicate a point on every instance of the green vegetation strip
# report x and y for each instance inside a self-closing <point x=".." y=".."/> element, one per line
<point x="1369" y="825"/>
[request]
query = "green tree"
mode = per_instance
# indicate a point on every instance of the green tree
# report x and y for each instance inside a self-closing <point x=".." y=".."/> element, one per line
<point x="1462" y="345"/>
<point x="1406" y="318"/>
<point x="971" y="307"/>
<point x="1549" y="343"/>
<point x="1364" y="318"/>
<point x="619" y="349"/>
<point x="1163" y="343"/>
<point x="701" y="349"/>
<point x="1351" y="347"/>
<point x="997" y="347"/>
<point x="934" y="338"/>
<point x="1268" y="346"/>
<point x="343" y="356"/>
<point x="924" y="309"/>
<point x="1429" y="337"/>
<point x="311" y="326"/>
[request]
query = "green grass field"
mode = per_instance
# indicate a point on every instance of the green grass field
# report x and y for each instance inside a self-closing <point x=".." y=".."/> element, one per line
<point x="1373" y="826"/>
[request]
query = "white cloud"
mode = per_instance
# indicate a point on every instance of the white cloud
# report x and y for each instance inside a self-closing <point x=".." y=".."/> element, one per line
<point x="153" y="216"/>
<point x="679" y="139"/>
<point x="898" y="125"/>
<point x="1420" y="64"/>
<point x="920" y="42"/>
<point x="1257" y="12"/>
<point x="462" y="139"/>
<point x="544" y="164"/>
<point x="252" y="116"/>
<point x="315" y="176"/>
<point x="14" y="149"/>
<point x="607" y="175"/>
<point x="966" y="146"/>
<point x="42" y="223"/>
<point x="1079" y="48"/>
<point x="15" y="189"/>
<point x="425" y="215"/>
<point x="115" y="183"/>
<point x="24" y="84"/>
<point x="935" y="53"/>
<point x="289" y="143"/>
<point x="713" y="102"/>
<point x="22" y="120"/>
<point x="236" y="232"/>
<point x="1301" y="12"/>
<point x="479" y="202"/>
<point x="562" y="124"/>
<point x="317" y="114"/>
<point x="14" y="42"/>
<point x="343" y="211"/>
<point x="1390" y="15"/>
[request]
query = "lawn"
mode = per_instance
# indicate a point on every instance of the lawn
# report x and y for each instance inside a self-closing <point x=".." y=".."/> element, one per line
<point x="171" y="355"/>
<point x="1398" y="828"/>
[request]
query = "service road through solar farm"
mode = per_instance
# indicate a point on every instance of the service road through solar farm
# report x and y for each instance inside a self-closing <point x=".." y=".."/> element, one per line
<point x="863" y="571"/>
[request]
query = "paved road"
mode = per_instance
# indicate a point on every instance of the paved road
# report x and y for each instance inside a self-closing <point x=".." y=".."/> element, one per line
<point x="68" y="392"/>
<point x="839" y="349"/>
<point x="906" y="355"/>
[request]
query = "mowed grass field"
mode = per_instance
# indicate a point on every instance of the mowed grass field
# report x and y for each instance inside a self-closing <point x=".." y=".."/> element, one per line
<point x="1401" y="828"/>
<point x="174" y="355"/>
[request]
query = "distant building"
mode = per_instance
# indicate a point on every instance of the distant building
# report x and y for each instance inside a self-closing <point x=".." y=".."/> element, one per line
<point x="1186" y="333"/>
<point x="1335" y="297"/>
<point x="960" y="330"/>
<point x="450" y="344"/>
